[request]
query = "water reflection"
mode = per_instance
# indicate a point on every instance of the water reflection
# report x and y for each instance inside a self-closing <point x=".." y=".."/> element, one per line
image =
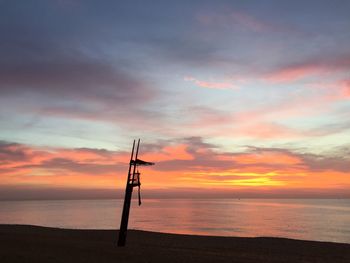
<point x="295" y="218"/>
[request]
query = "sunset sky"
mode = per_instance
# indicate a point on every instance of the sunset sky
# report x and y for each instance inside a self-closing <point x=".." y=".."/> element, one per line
<point x="229" y="98"/>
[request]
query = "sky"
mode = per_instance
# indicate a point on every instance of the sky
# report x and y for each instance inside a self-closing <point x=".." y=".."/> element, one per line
<point x="229" y="98"/>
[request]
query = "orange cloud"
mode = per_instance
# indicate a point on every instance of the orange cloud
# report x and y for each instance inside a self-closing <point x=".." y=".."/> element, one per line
<point x="187" y="163"/>
<point x="267" y="157"/>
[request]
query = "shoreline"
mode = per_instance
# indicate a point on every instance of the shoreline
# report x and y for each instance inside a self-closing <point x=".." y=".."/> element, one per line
<point x="171" y="233"/>
<point x="27" y="243"/>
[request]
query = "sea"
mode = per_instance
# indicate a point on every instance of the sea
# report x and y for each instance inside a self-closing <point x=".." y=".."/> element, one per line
<point x="307" y="219"/>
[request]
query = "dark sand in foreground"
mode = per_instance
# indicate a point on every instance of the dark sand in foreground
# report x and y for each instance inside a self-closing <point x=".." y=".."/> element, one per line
<point x="39" y="244"/>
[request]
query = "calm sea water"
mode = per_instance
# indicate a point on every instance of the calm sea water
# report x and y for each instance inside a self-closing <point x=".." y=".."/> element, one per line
<point x="311" y="219"/>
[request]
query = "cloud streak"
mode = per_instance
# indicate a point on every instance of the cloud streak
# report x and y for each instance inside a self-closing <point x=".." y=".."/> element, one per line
<point x="210" y="84"/>
<point x="317" y="66"/>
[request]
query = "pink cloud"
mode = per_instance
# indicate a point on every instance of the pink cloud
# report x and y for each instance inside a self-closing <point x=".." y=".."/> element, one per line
<point x="345" y="84"/>
<point x="309" y="68"/>
<point x="263" y="122"/>
<point x="293" y="73"/>
<point x="267" y="130"/>
<point x="210" y="84"/>
<point x="338" y="90"/>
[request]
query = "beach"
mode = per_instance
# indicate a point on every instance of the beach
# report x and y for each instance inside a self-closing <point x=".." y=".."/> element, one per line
<point x="25" y="243"/>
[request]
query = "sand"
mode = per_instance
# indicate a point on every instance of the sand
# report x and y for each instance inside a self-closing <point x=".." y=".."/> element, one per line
<point x="21" y="243"/>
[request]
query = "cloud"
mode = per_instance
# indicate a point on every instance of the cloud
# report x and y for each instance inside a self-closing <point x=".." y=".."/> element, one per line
<point x="71" y="84"/>
<point x="68" y="165"/>
<point x="83" y="160"/>
<point x="345" y="88"/>
<point x="11" y="152"/>
<point x="254" y="160"/>
<point x="237" y="19"/>
<point x="60" y="70"/>
<point x="347" y="83"/>
<point x="72" y="77"/>
<point x="179" y="164"/>
<point x="319" y="163"/>
<point x="336" y="161"/>
<point x="210" y="84"/>
<point x="268" y="130"/>
<point x="261" y="123"/>
<point x="66" y="67"/>
<point x="208" y="157"/>
<point x="317" y="66"/>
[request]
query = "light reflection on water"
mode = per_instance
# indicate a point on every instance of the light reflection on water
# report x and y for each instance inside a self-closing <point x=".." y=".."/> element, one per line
<point x="312" y="219"/>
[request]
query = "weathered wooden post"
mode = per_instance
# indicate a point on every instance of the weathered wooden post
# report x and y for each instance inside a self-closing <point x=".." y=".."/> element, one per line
<point x="133" y="180"/>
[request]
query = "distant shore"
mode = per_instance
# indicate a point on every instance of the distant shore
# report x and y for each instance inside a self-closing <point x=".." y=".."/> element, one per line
<point x="23" y="243"/>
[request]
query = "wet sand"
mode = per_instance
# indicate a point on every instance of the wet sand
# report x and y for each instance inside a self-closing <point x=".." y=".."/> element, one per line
<point x="19" y="243"/>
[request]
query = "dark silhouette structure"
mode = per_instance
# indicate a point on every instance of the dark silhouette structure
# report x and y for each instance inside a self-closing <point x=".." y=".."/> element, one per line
<point x="133" y="180"/>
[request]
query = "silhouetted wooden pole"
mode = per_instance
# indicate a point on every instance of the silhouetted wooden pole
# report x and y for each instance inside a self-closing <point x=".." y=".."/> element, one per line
<point x="133" y="180"/>
<point x="127" y="199"/>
